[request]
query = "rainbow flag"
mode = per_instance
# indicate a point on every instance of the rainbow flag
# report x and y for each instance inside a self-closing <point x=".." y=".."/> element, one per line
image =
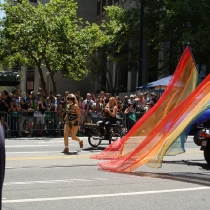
<point x="126" y="153"/>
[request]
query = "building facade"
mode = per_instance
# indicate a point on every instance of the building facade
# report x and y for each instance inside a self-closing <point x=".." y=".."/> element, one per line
<point x="93" y="12"/>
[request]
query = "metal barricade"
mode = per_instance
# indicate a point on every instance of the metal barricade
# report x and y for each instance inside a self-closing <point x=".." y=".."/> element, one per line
<point x="4" y="120"/>
<point x="31" y="124"/>
<point x="96" y="117"/>
<point x="132" y="118"/>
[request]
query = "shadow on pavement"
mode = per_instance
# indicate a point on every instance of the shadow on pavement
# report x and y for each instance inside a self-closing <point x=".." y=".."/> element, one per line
<point x="72" y="153"/>
<point x="92" y="149"/>
<point x="204" y="165"/>
<point x="188" y="177"/>
<point x="54" y="166"/>
<point x="194" y="178"/>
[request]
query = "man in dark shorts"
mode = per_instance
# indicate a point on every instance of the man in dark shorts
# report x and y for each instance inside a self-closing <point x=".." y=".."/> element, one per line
<point x="2" y="162"/>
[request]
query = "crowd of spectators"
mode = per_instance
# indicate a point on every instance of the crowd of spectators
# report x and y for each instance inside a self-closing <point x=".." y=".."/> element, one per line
<point x="45" y="111"/>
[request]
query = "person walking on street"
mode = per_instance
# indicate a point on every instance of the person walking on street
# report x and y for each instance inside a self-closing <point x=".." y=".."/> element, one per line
<point x="71" y="119"/>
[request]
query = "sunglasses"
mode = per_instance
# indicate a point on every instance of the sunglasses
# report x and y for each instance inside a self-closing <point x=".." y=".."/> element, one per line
<point x="70" y="98"/>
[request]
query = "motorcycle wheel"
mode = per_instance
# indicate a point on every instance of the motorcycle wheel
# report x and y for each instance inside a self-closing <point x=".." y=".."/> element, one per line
<point x="197" y="139"/>
<point x="207" y="154"/>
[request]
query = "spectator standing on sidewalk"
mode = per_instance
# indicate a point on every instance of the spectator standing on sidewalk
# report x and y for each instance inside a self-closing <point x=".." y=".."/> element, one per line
<point x="130" y="115"/>
<point x="125" y="103"/>
<point x="78" y="95"/>
<point x="132" y="100"/>
<point x="88" y="112"/>
<point x="51" y="117"/>
<point x="106" y="99"/>
<point x="32" y="107"/>
<point x="17" y="97"/>
<point x="28" y="98"/>
<point x="60" y="116"/>
<point x="42" y="107"/>
<point x="82" y="110"/>
<point x="2" y="162"/>
<point x="4" y="106"/>
<point x="23" y="109"/>
<point x="14" y="115"/>
<point x="146" y="98"/>
<point x="140" y="103"/>
<point x="88" y="98"/>
<point x="34" y="96"/>
<point x="153" y="98"/>
<point x="58" y="100"/>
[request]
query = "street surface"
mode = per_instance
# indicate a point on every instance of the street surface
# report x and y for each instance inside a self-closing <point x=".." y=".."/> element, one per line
<point x="40" y="177"/>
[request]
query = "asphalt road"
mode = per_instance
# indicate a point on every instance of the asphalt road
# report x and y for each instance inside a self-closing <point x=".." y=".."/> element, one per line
<point x="39" y="177"/>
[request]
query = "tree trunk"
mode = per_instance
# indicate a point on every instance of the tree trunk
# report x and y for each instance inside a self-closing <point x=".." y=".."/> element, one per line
<point x="42" y="78"/>
<point x="109" y="81"/>
<point x="115" y="81"/>
<point x="53" y="82"/>
<point x="51" y="75"/>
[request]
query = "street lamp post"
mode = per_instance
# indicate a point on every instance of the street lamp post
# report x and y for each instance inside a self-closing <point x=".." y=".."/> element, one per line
<point x="141" y="40"/>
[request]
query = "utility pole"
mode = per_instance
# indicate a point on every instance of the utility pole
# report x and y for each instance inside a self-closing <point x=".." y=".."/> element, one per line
<point x="141" y="40"/>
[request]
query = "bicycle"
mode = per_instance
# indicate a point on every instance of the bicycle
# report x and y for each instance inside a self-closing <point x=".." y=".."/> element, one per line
<point x="95" y="134"/>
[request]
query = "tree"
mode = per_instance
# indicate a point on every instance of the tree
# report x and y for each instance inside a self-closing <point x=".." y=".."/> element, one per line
<point x="170" y="25"/>
<point x="118" y="43"/>
<point x="48" y="35"/>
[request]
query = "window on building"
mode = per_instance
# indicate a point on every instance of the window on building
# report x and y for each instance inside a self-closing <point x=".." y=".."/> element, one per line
<point x="30" y="70"/>
<point x="98" y="9"/>
<point x="109" y="2"/>
<point x="116" y="2"/>
<point x="16" y="68"/>
<point x="103" y="7"/>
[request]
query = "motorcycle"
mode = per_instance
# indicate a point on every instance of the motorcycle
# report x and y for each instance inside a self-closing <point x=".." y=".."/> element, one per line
<point x="202" y="139"/>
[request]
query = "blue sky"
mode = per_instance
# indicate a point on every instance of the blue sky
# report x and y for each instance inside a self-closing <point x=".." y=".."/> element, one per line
<point x="1" y="12"/>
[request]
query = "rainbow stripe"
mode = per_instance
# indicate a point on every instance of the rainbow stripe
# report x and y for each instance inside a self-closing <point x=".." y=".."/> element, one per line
<point x="144" y="138"/>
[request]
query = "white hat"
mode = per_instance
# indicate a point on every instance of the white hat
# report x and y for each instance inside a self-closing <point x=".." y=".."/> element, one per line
<point x="131" y="96"/>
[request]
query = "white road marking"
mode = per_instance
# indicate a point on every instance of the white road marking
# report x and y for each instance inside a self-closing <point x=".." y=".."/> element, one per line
<point x="44" y="142"/>
<point x="22" y="146"/>
<point x="46" y="152"/>
<point x="60" y="181"/>
<point x="104" y="195"/>
<point x="36" y="152"/>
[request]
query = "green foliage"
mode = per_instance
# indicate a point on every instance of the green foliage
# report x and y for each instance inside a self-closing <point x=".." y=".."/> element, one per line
<point x="122" y="37"/>
<point x="170" y="25"/>
<point x="48" y="35"/>
<point x="119" y="37"/>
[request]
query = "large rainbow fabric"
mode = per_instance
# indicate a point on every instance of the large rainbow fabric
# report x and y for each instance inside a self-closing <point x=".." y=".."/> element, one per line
<point x="126" y="154"/>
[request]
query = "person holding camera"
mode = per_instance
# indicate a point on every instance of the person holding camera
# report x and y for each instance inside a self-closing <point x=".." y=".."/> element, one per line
<point x="71" y="119"/>
<point x="130" y="115"/>
<point x="109" y="116"/>
<point x="88" y="112"/>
